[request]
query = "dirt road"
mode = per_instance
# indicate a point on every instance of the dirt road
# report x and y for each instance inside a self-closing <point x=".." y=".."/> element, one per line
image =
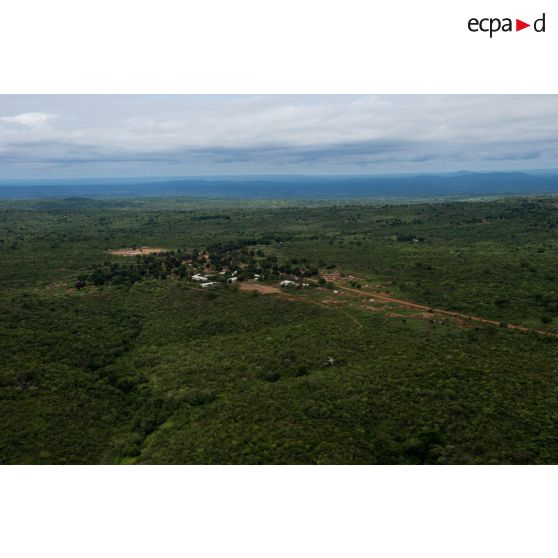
<point x="438" y="311"/>
<point x="269" y="289"/>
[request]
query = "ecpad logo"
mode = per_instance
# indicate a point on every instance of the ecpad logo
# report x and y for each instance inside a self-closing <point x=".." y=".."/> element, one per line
<point x="493" y="25"/>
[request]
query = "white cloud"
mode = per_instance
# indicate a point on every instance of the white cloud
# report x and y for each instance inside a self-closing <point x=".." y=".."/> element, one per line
<point x="31" y="119"/>
<point x="287" y="133"/>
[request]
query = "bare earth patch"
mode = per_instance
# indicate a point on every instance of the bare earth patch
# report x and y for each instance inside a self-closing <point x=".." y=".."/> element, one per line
<point x="330" y="277"/>
<point x="141" y="251"/>
<point x="259" y="287"/>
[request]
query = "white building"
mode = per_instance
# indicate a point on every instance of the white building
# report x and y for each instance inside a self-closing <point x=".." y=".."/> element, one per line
<point x="288" y="283"/>
<point x="198" y="277"/>
<point x="210" y="284"/>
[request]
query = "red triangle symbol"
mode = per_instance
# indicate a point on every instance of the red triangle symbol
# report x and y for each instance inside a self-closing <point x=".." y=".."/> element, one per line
<point x="519" y="25"/>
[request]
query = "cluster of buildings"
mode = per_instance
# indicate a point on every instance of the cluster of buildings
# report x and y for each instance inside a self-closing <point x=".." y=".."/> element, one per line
<point x="205" y="280"/>
<point x="288" y="283"/>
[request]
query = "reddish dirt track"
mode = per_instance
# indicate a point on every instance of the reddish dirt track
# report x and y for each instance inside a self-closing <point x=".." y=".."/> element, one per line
<point x="269" y="289"/>
<point x="439" y="311"/>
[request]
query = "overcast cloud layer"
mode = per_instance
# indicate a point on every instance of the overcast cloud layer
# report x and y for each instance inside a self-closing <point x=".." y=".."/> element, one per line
<point x="145" y="135"/>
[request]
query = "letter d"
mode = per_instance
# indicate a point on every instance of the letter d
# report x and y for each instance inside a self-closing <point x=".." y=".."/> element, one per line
<point x="539" y="24"/>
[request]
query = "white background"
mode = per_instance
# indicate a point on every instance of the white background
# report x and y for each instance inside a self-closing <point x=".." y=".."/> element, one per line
<point x="272" y="46"/>
<point x="269" y="46"/>
<point x="278" y="512"/>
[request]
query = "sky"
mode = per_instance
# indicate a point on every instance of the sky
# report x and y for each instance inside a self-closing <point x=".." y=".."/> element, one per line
<point x="91" y="136"/>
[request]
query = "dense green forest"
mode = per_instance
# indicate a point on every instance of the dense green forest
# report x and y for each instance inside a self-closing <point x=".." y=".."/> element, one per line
<point x="194" y="351"/>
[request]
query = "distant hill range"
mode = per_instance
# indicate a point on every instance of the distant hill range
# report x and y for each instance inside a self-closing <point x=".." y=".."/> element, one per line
<point x="423" y="186"/>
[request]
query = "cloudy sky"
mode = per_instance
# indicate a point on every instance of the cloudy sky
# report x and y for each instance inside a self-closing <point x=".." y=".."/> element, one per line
<point x="86" y="136"/>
